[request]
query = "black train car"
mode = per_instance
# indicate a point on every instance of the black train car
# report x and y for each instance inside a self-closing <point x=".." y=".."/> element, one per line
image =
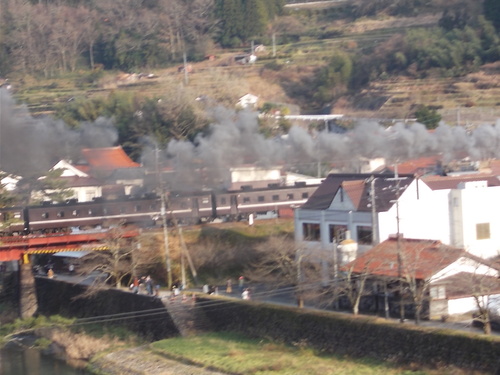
<point x="273" y="200"/>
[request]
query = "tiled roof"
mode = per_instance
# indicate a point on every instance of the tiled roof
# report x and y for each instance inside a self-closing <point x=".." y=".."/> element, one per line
<point x="358" y="186"/>
<point x="420" y="258"/>
<point x="452" y="182"/>
<point x="108" y="158"/>
<point x="419" y="167"/>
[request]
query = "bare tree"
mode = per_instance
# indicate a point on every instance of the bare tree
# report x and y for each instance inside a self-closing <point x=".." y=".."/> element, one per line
<point x="482" y="285"/>
<point x="283" y="262"/>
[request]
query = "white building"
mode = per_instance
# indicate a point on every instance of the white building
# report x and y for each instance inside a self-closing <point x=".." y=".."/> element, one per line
<point x="459" y="211"/>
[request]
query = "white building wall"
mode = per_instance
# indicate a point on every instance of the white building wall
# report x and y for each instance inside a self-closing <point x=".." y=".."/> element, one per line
<point x="474" y="205"/>
<point x="423" y="214"/>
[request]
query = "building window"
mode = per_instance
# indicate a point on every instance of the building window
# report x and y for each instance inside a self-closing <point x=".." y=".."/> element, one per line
<point x="289" y="197"/>
<point x="104" y="211"/>
<point x="276" y="198"/>
<point x="311" y="232"/>
<point x="438" y="292"/>
<point x="483" y="231"/>
<point x="365" y="235"/>
<point x="137" y="208"/>
<point x="204" y="200"/>
<point x="60" y="214"/>
<point x="305" y="195"/>
<point x="45" y="215"/>
<point x="246" y="200"/>
<point x="337" y="233"/>
<point x="260" y="198"/>
<point x="223" y="201"/>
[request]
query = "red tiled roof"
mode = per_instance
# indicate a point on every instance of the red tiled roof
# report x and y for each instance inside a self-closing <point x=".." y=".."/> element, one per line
<point x="452" y="182"/>
<point x="418" y="166"/>
<point x="419" y="258"/>
<point x="108" y="158"/>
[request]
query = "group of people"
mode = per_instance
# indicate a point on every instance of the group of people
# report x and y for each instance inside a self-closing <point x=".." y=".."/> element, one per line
<point x="144" y="283"/>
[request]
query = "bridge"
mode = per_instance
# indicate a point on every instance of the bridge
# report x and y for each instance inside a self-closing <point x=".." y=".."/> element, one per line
<point x="20" y="247"/>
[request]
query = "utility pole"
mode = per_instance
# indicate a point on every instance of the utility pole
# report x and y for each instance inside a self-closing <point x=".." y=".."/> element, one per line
<point x="398" y="249"/>
<point x="163" y="214"/>
<point x="186" y="78"/>
<point x="375" y="234"/>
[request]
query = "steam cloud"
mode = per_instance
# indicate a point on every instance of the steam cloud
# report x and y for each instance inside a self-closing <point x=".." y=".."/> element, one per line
<point x="30" y="144"/>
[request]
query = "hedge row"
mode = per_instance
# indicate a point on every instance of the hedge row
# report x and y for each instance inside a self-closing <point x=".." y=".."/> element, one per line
<point x="354" y="336"/>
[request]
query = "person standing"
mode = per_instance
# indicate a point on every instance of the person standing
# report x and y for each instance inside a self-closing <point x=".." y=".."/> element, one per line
<point x="241" y="282"/>
<point x="229" y="287"/>
<point x="245" y="294"/>
<point x="149" y="285"/>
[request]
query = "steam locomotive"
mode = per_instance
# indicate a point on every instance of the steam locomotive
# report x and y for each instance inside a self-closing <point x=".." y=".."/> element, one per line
<point x="147" y="211"/>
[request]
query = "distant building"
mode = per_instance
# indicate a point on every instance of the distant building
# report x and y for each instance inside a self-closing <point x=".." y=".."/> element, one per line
<point x="248" y="101"/>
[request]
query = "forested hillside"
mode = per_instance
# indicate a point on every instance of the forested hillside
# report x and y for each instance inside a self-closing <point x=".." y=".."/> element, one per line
<point x="393" y="58"/>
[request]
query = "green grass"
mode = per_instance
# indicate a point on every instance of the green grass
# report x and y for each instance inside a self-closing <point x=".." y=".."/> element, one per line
<point x="235" y="354"/>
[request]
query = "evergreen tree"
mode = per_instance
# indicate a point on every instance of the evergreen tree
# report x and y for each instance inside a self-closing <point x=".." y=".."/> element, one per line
<point x="492" y="12"/>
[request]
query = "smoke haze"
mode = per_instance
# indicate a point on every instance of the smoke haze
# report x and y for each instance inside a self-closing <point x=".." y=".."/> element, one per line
<point x="29" y="145"/>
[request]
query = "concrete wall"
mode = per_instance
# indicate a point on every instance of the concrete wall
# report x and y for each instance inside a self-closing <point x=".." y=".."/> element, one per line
<point x="144" y="315"/>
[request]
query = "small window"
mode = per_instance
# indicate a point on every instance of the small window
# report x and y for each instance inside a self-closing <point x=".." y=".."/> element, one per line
<point x="137" y="208"/>
<point x="305" y="195"/>
<point x="276" y="198"/>
<point x="438" y="292"/>
<point x="91" y="212"/>
<point x="289" y="197"/>
<point x="205" y="200"/>
<point x="45" y="215"/>
<point x="104" y="211"/>
<point x="223" y="201"/>
<point x="312" y="232"/>
<point x="483" y="231"/>
<point x="364" y="235"/>
<point x="260" y="198"/>
<point x="76" y="213"/>
<point x="60" y="214"/>
<point x="246" y="200"/>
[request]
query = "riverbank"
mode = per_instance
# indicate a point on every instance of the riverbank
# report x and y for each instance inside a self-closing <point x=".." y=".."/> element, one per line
<point x="142" y="361"/>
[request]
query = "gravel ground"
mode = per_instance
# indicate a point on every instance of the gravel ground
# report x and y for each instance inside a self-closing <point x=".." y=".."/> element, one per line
<point x="140" y="361"/>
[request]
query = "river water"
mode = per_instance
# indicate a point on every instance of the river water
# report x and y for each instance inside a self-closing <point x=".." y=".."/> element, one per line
<point x="16" y="360"/>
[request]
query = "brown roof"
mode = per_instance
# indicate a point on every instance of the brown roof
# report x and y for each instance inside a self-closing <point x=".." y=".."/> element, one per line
<point x="419" y="258"/>
<point x="452" y="182"/>
<point x="354" y="190"/>
<point x="108" y="158"/>
<point x="358" y="186"/>
<point x="419" y="167"/>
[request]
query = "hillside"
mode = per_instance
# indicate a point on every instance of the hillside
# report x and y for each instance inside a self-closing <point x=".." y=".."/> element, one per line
<point x="468" y="100"/>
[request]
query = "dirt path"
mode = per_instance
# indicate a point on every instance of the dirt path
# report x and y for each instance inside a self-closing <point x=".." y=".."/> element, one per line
<point x="141" y="361"/>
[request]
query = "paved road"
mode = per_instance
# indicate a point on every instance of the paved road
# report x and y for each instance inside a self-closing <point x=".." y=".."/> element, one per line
<point x="284" y="296"/>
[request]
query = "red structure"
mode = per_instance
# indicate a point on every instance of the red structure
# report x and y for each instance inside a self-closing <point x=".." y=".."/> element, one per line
<point x="17" y="248"/>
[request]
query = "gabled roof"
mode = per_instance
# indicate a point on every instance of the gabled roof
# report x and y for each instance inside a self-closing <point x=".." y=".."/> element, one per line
<point x="452" y="182"/>
<point x="463" y="283"/>
<point x="108" y="158"/>
<point x="358" y="187"/>
<point x="421" y="259"/>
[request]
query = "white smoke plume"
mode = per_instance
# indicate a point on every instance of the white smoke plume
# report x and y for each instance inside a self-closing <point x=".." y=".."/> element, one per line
<point x="29" y="146"/>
